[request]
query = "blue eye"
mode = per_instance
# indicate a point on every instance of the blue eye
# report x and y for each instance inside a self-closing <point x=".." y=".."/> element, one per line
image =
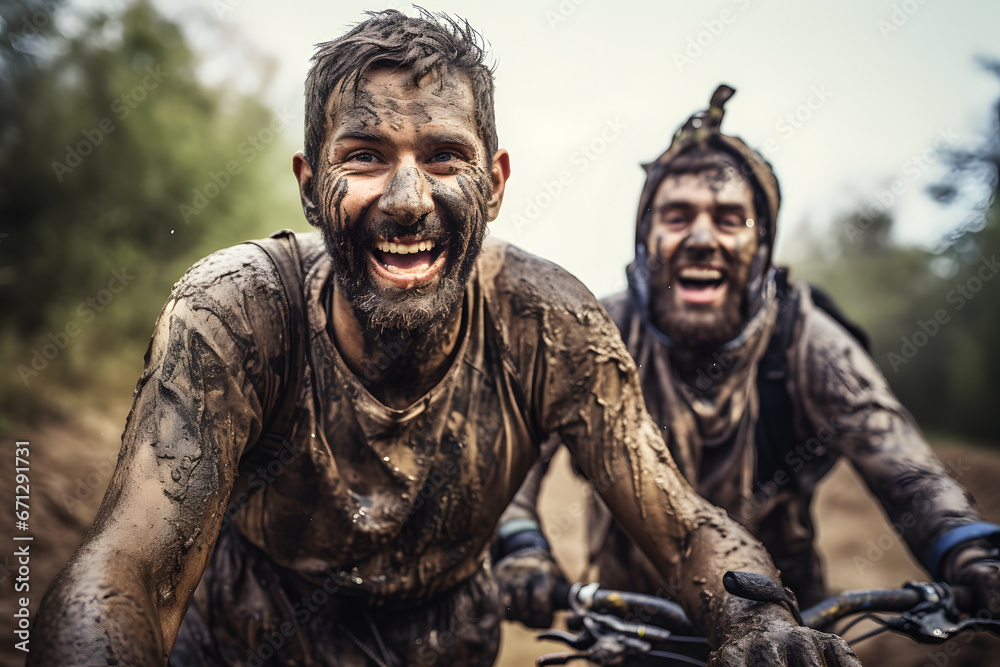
<point x="443" y="156"/>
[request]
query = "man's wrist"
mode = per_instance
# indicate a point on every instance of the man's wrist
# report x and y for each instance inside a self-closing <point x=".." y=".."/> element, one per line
<point x="965" y="554"/>
<point x="520" y="535"/>
<point x="939" y="559"/>
<point x="738" y="616"/>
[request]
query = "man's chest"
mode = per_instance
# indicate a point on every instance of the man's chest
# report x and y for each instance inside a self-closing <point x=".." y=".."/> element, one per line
<point x="364" y="484"/>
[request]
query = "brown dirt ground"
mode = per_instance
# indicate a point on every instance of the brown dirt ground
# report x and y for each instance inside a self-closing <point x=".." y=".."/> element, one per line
<point x="71" y="464"/>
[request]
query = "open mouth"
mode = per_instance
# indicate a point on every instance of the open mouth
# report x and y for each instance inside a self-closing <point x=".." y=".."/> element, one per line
<point x="701" y="284"/>
<point x="408" y="262"/>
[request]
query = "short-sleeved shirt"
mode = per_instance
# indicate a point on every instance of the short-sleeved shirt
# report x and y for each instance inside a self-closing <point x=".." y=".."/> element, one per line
<point x="402" y="504"/>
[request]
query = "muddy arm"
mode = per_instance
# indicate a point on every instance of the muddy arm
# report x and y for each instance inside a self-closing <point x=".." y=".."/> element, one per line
<point x="121" y="598"/>
<point x="592" y="399"/>
<point x="691" y="542"/>
<point x="849" y="407"/>
<point x="123" y="595"/>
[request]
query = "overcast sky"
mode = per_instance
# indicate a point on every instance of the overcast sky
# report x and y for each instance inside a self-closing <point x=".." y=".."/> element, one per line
<point x="844" y="98"/>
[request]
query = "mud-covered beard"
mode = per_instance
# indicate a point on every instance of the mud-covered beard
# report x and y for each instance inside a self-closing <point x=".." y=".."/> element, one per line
<point x="699" y="328"/>
<point x="415" y="315"/>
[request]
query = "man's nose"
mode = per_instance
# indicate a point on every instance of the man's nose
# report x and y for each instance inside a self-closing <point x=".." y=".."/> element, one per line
<point x="703" y="232"/>
<point x="408" y="197"/>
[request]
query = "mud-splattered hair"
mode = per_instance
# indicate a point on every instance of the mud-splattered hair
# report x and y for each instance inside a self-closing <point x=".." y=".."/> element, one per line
<point x="428" y="43"/>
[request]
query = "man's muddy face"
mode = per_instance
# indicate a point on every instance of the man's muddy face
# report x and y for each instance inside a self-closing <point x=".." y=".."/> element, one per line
<point x="403" y="194"/>
<point x="701" y="243"/>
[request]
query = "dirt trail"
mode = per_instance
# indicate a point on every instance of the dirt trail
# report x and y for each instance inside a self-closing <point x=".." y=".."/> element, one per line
<point x="71" y="465"/>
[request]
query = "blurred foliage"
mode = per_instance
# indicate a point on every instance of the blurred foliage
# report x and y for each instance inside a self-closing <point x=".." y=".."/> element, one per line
<point x="106" y="134"/>
<point x="933" y="316"/>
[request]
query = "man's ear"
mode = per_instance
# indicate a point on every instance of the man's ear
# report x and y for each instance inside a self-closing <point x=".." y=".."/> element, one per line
<point x="304" y="175"/>
<point x="499" y="173"/>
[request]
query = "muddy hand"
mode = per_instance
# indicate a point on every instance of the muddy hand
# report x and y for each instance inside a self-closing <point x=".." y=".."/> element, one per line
<point x="768" y="641"/>
<point x="527" y="579"/>
<point x="982" y="574"/>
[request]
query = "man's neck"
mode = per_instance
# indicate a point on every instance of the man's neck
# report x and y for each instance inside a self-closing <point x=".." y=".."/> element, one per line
<point x="398" y="368"/>
<point x="688" y="361"/>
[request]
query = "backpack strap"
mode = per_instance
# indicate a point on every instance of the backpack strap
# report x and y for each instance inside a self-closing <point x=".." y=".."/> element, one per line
<point x="825" y="302"/>
<point x="283" y="250"/>
<point x="775" y="431"/>
<point x="775" y="435"/>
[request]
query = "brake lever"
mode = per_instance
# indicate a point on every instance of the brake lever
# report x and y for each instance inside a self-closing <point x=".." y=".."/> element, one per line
<point x="979" y="624"/>
<point x="559" y="658"/>
<point x="580" y="640"/>
<point x="934" y="627"/>
<point x="608" y="649"/>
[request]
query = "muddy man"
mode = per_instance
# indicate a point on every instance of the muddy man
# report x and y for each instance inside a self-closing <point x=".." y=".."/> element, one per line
<point x="329" y="425"/>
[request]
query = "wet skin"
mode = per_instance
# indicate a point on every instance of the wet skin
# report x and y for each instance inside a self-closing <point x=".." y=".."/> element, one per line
<point x="703" y="226"/>
<point x="402" y="164"/>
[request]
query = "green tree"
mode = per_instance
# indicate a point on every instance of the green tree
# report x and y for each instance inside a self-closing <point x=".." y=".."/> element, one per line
<point x="932" y="316"/>
<point x="114" y="155"/>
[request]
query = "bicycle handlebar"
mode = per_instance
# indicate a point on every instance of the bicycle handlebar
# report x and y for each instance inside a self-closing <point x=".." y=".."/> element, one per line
<point x="645" y="609"/>
<point x="908" y="598"/>
<point x="621" y="624"/>
<point x="820" y="616"/>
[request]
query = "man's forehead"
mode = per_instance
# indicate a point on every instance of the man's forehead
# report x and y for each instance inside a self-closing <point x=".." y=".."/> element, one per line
<point x="394" y="96"/>
<point x="724" y="183"/>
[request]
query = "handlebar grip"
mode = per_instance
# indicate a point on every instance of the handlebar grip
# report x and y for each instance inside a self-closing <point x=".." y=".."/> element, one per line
<point x="560" y="595"/>
<point x="965" y="599"/>
<point x="756" y="587"/>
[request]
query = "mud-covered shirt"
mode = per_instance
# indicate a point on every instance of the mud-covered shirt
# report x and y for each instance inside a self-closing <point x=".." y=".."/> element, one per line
<point x="401" y="503"/>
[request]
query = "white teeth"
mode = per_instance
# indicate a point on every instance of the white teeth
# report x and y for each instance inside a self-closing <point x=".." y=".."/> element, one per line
<point x="699" y="273"/>
<point x="403" y="249"/>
